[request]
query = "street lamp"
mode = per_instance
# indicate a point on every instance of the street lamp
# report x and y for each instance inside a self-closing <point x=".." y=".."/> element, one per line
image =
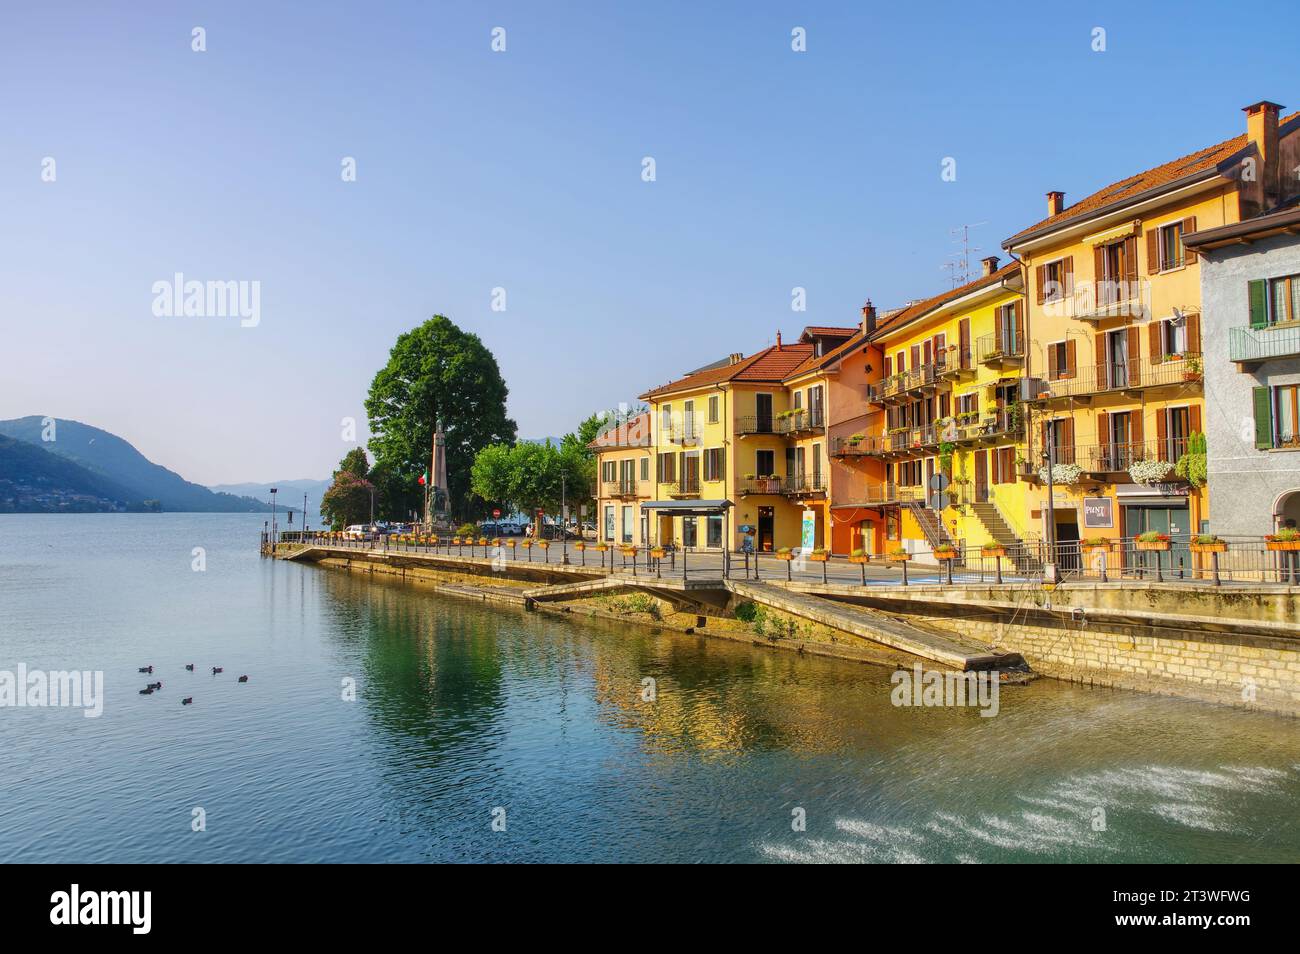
<point x="1049" y="455"/>
<point x="273" y="527"/>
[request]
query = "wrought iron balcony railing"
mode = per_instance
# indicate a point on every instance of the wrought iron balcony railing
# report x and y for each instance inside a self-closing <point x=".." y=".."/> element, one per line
<point x="1130" y="375"/>
<point x="619" y="488"/>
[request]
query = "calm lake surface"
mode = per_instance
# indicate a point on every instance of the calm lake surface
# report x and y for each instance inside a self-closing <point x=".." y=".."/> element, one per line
<point x="462" y="709"/>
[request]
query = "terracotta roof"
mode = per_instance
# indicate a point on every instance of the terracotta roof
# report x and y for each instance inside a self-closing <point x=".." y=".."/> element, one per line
<point x="1171" y="172"/>
<point x="827" y="331"/>
<point x="634" y="432"/>
<point x="770" y="364"/>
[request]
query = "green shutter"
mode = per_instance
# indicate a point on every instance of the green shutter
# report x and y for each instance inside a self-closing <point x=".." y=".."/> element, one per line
<point x="1259" y="304"/>
<point x="1263" y="418"/>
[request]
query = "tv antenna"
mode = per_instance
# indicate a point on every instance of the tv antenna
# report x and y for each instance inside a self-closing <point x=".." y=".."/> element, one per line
<point x="958" y="266"/>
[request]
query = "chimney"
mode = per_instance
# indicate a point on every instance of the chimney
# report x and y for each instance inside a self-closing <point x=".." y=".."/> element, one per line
<point x="1261" y="132"/>
<point x="1055" y="203"/>
<point x="868" y="318"/>
<point x="778" y="339"/>
<point x="990" y="264"/>
<point x="735" y="358"/>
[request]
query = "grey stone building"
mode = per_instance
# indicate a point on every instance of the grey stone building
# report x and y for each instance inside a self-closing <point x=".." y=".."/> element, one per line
<point x="1250" y="299"/>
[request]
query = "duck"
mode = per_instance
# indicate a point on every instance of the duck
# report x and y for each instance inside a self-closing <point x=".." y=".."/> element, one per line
<point x="217" y="669"/>
<point x="189" y="667"/>
<point x="187" y="700"/>
<point x="147" y="692"/>
<point x="148" y="669"/>
<point x="155" y="685"/>
<point x="243" y="679"/>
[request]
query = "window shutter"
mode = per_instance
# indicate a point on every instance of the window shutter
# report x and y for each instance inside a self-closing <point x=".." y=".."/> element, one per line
<point x="1131" y="259"/>
<point x="1071" y="363"/>
<point x="1053" y="372"/>
<point x="1135" y="426"/>
<point x="1189" y="226"/>
<point x="1134" y="355"/>
<point x="963" y="335"/>
<point x="1263" y="417"/>
<point x="1162" y="429"/>
<point x="996" y="468"/>
<point x="1067" y="457"/>
<point x="1067" y="270"/>
<point x="1100" y="370"/>
<point x="1153" y="250"/>
<point x="1103" y="429"/>
<point x="1040" y="280"/>
<point x="1155" y="338"/>
<point x="1194" y="417"/>
<point x="889" y="366"/>
<point x="1258" y="293"/>
<point x="1194" y="334"/>
<point x="1098" y="267"/>
<point x="1019" y="312"/>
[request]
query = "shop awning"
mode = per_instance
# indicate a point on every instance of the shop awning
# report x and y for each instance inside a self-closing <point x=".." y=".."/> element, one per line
<point x="689" y="508"/>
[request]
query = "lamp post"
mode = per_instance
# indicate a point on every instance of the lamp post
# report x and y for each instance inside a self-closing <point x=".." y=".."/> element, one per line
<point x="304" y="515"/>
<point x="1049" y="455"/>
<point x="274" y="490"/>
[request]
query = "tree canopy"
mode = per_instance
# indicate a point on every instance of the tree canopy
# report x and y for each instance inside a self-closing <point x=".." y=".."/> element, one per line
<point x="530" y="477"/>
<point x="436" y="371"/>
<point x="347" y="501"/>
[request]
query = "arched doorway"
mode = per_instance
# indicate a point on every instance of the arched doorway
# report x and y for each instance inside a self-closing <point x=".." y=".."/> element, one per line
<point x="1286" y="511"/>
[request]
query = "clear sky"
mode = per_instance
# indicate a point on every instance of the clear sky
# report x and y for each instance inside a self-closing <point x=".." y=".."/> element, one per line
<point x="522" y="170"/>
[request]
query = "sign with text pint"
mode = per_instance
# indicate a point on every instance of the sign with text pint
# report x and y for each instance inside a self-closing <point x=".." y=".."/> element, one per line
<point x="1098" y="512"/>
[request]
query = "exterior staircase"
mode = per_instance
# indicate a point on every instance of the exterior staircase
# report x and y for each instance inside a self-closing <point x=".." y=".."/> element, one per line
<point x="931" y="526"/>
<point x="1022" y="556"/>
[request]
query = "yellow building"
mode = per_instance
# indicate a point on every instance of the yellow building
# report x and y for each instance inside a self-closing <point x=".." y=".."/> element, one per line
<point x="624" y="462"/>
<point x="950" y="392"/>
<point x="1114" y="327"/>
<point x="732" y="431"/>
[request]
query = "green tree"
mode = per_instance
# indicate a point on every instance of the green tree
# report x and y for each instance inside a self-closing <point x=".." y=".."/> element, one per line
<point x="347" y="501"/>
<point x="435" y="371"/>
<point x="528" y="477"/>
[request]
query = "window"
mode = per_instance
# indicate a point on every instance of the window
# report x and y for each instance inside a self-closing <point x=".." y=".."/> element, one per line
<point x="645" y="468"/>
<point x="1286" y="405"/>
<point x="1052" y="281"/>
<point x="1274" y="301"/>
<point x="941" y="350"/>
<point x="688" y="531"/>
<point x="713" y="409"/>
<point x="713" y="531"/>
<point x="1057" y="361"/>
<point x="666" y="469"/>
<point x="816" y="466"/>
<point x="1174" y="432"/>
<point x="629" y="514"/>
<point x="1171" y="246"/>
<point x="715" y="463"/>
<point x="968" y="407"/>
<point x="764" y="463"/>
<point x="607" y="471"/>
<point x="666" y="417"/>
<point x="1009" y="329"/>
<point x="609" y="524"/>
<point x="1003" y="461"/>
<point x="909" y="473"/>
<point x="1173" y="337"/>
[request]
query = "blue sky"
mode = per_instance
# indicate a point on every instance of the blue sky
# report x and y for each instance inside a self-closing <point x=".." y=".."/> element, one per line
<point x="522" y="170"/>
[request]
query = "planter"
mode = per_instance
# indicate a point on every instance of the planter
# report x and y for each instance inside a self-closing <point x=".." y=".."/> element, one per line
<point x="1209" y="547"/>
<point x="527" y="544"/>
<point x="482" y="541"/>
<point x="945" y="554"/>
<point x="1282" y="544"/>
<point x="785" y="556"/>
<point x="994" y="552"/>
<point x="628" y="551"/>
<point x="899" y="557"/>
<point x="511" y="544"/>
<point x="602" y="547"/>
<point x="819" y="557"/>
<point x="659" y="553"/>
<point x="859" y="559"/>
<point x="1157" y="545"/>
<point x="544" y="544"/>
<point x="579" y="546"/>
<point x="1095" y="544"/>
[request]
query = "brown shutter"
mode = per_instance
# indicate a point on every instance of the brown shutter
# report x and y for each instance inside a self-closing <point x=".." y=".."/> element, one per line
<point x="1053" y="372"/>
<point x="1194" y="418"/>
<point x="1040" y="280"/>
<point x="1100" y="369"/>
<point x="1194" y="334"/>
<point x="1189" y="226"/>
<point x="1156" y="340"/>
<point x="1019" y="312"/>
<point x="1153" y="250"/>
<point x="1067" y="271"/>
<point x="963" y="334"/>
<point x="1068" y="437"/>
<point x="1098" y="266"/>
<point x="1162" y="429"/>
<point x="1135" y="426"/>
<point x="1134" y="354"/>
<point x="1131" y="259"/>
<point x="1103" y="428"/>
<point x="1071" y="360"/>
<point x="889" y="366"/>
<point x="996" y="468"/>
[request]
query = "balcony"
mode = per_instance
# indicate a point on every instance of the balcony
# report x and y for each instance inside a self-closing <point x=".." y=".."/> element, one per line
<point x="1132" y="375"/>
<point x="800" y="420"/>
<point x="953" y="365"/>
<point x="686" y="433"/>
<point x="849" y="447"/>
<point x="1252" y="346"/>
<point x="877" y="495"/>
<point x="619" y="489"/>
<point x="761" y="485"/>
<point x="1117" y="458"/>
<point x="1000" y="349"/>
<point x="756" y="424"/>
<point x="1098" y="301"/>
<point x="687" y="487"/>
<point x="896" y="387"/>
<point x="804" y="485"/>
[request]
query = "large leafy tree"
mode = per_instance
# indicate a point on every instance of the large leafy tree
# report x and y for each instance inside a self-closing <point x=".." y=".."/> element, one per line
<point x="530" y="477"/>
<point x="435" y="371"/>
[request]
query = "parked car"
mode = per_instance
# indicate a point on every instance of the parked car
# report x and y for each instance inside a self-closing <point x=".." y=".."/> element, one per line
<point x="489" y="529"/>
<point x="508" y="528"/>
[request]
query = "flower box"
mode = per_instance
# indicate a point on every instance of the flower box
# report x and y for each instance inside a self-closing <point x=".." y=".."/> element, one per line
<point x="1282" y="544"/>
<point x="579" y="545"/>
<point x="993" y="551"/>
<point x="860" y="558"/>
<point x="899" y="557"/>
<point x="527" y="544"/>
<point x="455" y="541"/>
<point x="544" y="544"/>
<point x="511" y="543"/>
<point x="818" y="557"/>
<point x="784" y="555"/>
<point x="628" y="551"/>
<point x="1095" y="544"/>
<point x="658" y="553"/>
<point x="941" y="554"/>
<point x="482" y="541"/>
<point x="1159" y="545"/>
<point x="1219" y="547"/>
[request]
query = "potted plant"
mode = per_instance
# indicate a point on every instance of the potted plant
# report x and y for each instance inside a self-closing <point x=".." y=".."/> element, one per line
<point x="898" y="555"/>
<point x="1023" y="467"/>
<point x="945" y="551"/>
<point x="1192" y="369"/>
<point x="1149" y="472"/>
<point x="993" y="549"/>
<point x="602" y="547"/>
<point x="579" y="546"/>
<point x="628" y="549"/>
<point x="1152" y="540"/>
<point x="1096" y="543"/>
<point x="482" y="541"/>
<point x="659" y="552"/>
<point x="859" y="556"/>
<point x="819" y="555"/>
<point x="527" y="543"/>
<point x="784" y="553"/>
<point x="1287" y="538"/>
<point x="856" y="439"/>
<point x="1208" y="543"/>
<point x="510" y="544"/>
<point x="544" y="544"/>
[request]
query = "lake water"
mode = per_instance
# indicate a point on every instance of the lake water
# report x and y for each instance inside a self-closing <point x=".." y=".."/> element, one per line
<point x="462" y="709"/>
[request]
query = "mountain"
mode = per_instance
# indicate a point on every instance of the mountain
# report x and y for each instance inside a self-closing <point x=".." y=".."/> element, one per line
<point x="290" y="495"/>
<point x="33" y="480"/>
<point x="113" y="459"/>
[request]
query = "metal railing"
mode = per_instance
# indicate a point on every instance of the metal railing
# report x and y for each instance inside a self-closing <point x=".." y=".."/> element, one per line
<point x="1130" y="375"/>
<point x="802" y="484"/>
<point x="1261" y="344"/>
<point x="619" y="488"/>
<point x="686" y="433"/>
<point x="686" y="487"/>
<point x="756" y="424"/>
<point x="999" y="346"/>
<point x="761" y="485"/>
<point x="903" y="382"/>
<point x="800" y="419"/>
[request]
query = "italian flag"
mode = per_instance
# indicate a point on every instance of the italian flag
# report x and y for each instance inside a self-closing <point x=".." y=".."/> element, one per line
<point x="424" y="478"/>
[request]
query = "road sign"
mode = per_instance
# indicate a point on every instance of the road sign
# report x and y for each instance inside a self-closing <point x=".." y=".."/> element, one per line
<point x="939" y="482"/>
<point x="496" y="513"/>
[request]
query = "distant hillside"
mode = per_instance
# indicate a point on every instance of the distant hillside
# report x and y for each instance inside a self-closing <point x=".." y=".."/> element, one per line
<point x="290" y="495"/>
<point x="112" y="458"/>
<point x="33" y="480"/>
